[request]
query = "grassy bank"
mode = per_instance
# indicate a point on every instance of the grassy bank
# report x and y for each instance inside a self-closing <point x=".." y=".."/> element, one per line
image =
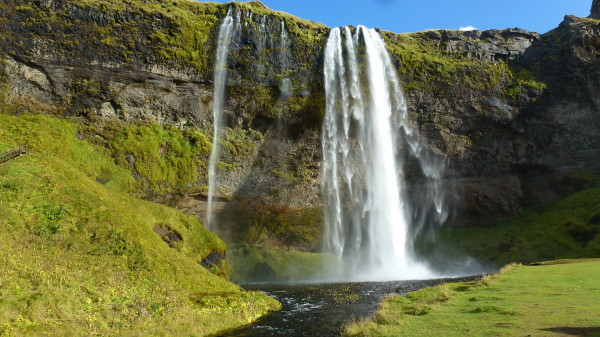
<point x="569" y="228"/>
<point x="81" y="256"/>
<point x="549" y="300"/>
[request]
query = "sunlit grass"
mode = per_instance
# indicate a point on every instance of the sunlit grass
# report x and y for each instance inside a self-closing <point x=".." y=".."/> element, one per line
<point x="550" y="300"/>
<point x="79" y="255"/>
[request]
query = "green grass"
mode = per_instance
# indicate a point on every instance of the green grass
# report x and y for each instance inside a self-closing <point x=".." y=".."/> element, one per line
<point x="569" y="228"/>
<point x="79" y="255"/>
<point x="551" y="300"/>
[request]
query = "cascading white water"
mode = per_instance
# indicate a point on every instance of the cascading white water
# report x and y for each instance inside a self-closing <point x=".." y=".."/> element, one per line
<point x="285" y="87"/>
<point x="366" y="135"/>
<point x="226" y="30"/>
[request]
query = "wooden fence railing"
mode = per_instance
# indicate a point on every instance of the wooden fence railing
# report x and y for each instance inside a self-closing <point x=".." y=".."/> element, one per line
<point x="12" y="154"/>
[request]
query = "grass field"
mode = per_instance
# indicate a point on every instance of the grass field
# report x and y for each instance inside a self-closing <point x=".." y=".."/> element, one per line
<point x="560" y="299"/>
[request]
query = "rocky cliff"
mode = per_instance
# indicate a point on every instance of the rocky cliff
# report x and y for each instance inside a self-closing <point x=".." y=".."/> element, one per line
<point x="512" y="114"/>
<point x="595" y="10"/>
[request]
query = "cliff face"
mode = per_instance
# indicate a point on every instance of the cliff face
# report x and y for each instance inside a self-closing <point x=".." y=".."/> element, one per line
<point x="510" y="112"/>
<point x="595" y="10"/>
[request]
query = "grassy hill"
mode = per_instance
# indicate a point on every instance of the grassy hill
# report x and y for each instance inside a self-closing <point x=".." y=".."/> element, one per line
<point x="81" y="256"/>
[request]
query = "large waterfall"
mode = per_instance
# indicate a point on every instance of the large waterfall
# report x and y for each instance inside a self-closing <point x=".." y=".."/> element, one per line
<point x="367" y="141"/>
<point x="225" y="33"/>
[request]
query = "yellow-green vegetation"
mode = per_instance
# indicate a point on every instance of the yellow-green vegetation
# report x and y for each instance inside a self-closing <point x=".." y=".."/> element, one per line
<point x="549" y="300"/>
<point x="429" y="67"/>
<point x="569" y="228"/>
<point x="240" y="142"/>
<point x="276" y="226"/>
<point x="522" y="80"/>
<point x="80" y="256"/>
<point x="253" y="263"/>
<point x="164" y="159"/>
<point x="302" y="28"/>
<point x="174" y="32"/>
<point x="183" y="32"/>
<point x="187" y="42"/>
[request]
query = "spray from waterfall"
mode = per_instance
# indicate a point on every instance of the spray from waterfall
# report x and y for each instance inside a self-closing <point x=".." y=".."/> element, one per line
<point x="226" y="30"/>
<point x="367" y="140"/>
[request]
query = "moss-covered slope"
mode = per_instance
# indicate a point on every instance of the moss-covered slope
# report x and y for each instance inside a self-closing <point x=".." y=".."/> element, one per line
<point x="80" y="256"/>
<point x="569" y="228"/>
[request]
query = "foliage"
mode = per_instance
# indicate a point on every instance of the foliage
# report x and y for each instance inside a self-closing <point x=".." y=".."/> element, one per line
<point x="80" y="256"/>
<point x="566" y="229"/>
<point x="432" y="68"/>
<point x="520" y="301"/>
<point x="255" y="263"/>
<point x="165" y="159"/>
<point x="521" y="81"/>
<point x="178" y="32"/>
<point x="275" y="226"/>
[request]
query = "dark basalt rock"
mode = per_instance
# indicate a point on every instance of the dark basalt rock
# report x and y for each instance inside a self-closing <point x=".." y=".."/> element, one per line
<point x="213" y="259"/>
<point x="169" y="236"/>
<point x="595" y="13"/>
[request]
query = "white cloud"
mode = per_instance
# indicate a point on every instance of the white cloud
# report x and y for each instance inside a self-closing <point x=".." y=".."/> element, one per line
<point x="467" y="28"/>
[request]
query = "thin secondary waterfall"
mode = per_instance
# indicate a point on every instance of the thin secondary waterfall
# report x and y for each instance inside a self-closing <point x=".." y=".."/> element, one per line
<point x="225" y="33"/>
<point x="369" y="221"/>
<point x="285" y="87"/>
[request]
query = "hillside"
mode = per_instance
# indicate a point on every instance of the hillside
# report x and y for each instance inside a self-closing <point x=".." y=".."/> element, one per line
<point x="82" y="256"/>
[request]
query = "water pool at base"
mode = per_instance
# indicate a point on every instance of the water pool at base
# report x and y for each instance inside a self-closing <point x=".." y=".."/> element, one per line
<point x="323" y="309"/>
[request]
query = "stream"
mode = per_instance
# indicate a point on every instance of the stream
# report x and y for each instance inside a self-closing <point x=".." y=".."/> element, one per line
<point x="323" y="309"/>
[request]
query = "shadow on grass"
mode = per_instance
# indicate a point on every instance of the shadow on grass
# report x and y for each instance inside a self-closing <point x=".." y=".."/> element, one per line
<point x="576" y="331"/>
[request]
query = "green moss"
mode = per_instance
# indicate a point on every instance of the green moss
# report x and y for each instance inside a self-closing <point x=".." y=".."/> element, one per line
<point x="284" y="175"/>
<point x="253" y="263"/>
<point x="178" y="33"/>
<point x="566" y="229"/>
<point x="276" y="226"/>
<point x="240" y="142"/>
<point x="301" y="28"/>
<point x="521" y="81"/>
<point x="165" y="159"/>
<point x="430" y="68"/>
<point x="80" y="255"/>
<point x="426" y="64"/>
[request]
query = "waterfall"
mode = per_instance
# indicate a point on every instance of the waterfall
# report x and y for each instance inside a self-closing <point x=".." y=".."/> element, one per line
<point x="226" y="30"/>
<point x="367" y="138"/>
<point x="285" y="87"/>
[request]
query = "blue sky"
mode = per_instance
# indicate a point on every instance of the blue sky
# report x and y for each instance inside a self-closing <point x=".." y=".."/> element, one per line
<point x="414" y="15"/>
